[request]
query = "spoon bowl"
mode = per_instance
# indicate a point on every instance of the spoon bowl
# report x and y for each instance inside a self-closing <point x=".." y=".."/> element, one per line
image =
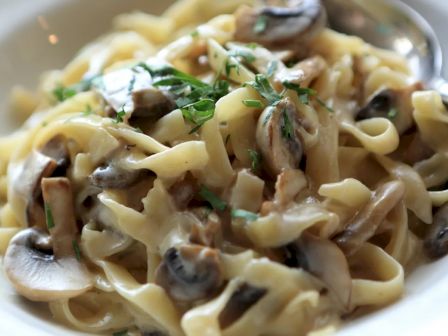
<point x="393" y="25"/>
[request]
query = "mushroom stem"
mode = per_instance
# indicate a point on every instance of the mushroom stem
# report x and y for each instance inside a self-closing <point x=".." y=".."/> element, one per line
<point x="365" y="223"/>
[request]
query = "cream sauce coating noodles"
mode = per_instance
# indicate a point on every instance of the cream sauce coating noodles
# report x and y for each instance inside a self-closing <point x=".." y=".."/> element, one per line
<point x="209" y="173"/>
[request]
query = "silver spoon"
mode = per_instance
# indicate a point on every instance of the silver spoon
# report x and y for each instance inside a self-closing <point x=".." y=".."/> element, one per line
<point x="393" y="25"/>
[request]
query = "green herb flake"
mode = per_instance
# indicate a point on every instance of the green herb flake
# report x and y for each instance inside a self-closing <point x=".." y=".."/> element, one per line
<point x="62" y="93"/>
<point x="392" y="114"/>
<point x="272" y="68"/>
<point x="199" y="113"/>
<point x="230" y="66"/>
<point x="303" y="93"/>
<point x="76" y="249"/>
<point x="88" y="111"/>
<point x="246" y="55"/>
<point x="287" y="129"/>
<point x="212" y="199"/>
<point x="121" y="333"/>
<point x="324" y="105"/>
<point x="49" y="216"/>
<point x="132" y="84"/>
<point x="265" y="89"/>
<point x="253" y="103"/>
<point x="261" y="24"/>
<point x="255" y="159"/>
<point x="194" y="34"/>
<point x="227" y="139"/>
<point x="247" y="215"/>
<point x="119" y="118"/>
<point x="252" y="45"/>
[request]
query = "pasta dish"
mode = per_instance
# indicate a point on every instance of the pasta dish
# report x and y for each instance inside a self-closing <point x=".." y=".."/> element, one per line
<point x="226" y="168"/>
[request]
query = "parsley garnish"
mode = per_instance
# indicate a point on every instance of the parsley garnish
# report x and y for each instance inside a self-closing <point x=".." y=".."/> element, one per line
<point x="272" y="68"/>
<point x="119" y="118"/>
<point x="255" y="157"/>
<point x="253" y="103"/>
<point x="49" y="216"/>
<point x="252" y="45"/>
<point x="76" y="249"/>
<point x="194" y="34"/>
<point x="322" y="103"/>
<point x="303" y="93"/>
<point x="131" y="84"/>
<point x="392" y="114"/>
<point x="88" y="111"/>
<point x="246" y="55"/>
<point x="195" y="98"/>
<point x="265" y="89"/>
<point x="261" y="24"/>
<point x="211" y="198"/>
<point x="230" y="66"/>
<point x="199" y="113"/>
<point x="62" y="93"/>
<point x="247" y="215"/>
<point x="120" y="333"/>
<point x="287" y="129"/>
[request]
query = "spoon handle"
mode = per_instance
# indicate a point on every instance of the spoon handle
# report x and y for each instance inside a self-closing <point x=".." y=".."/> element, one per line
<point x="441" y="85"/>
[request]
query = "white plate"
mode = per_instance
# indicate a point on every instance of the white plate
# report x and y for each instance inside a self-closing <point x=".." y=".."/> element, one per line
<point x="26" y="52"/>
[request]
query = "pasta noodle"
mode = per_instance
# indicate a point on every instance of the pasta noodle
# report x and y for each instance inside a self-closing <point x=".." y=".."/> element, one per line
<point x="218" y="171"/>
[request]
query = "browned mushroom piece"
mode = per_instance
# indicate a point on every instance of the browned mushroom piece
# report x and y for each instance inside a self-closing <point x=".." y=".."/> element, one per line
<point x="190" y="273"/>
<point x="206" y="233"/>
<point x="112" y="176"/>
<point x="394" y="104"/>
<point x="51" y="159"/>
<point x="365" y="223"/>
<point x="184" y="191"/>
<point x="244" y="297"/>
<point x="436" y="242"/>
<point x="323" y="259"/>
<point x="283" y="22"/>
<point x="131" y="90"/>
<point x="303" y="73"/>
<point x="43" y="268"/>
<point x="278" y="139"/>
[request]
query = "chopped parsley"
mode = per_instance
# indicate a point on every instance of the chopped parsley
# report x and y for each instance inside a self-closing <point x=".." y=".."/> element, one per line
<point x="252" y="45"/>
<point x="212" y="199"/>
<point x="119" y="117"/>
<point x="392" y="114"/>
<point x="199" y="113"/>
<point x="261" y="24"/>
<point x="272" y="68"/>
<point x="287" y="129"/>
<point x="247" y="215"/>
<point x="195" y="98"/>
<point x="322" y="103"/>
<point x="132" y="84"/>
<point x="62" y="93"/>
<point x="255" y="158"/>
<point x="253" y="103"/>
<point x="265" y="89"/>
<point x="230" y="66"/>
<point x="121" y="333"/>
<point x="303" y="93"/>
<point x="194" y="34"/>
<point x="49" y="216"/>
<point x="88" y="111"/>
<point x="76" y="249"/>
<point x="246" y="55"/>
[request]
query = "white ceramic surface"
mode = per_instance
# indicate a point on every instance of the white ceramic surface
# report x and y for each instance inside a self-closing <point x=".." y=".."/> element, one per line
<point x="25" y="52"/>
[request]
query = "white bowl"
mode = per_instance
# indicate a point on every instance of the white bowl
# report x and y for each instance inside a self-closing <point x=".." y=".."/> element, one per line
<point x="26" y="52"/>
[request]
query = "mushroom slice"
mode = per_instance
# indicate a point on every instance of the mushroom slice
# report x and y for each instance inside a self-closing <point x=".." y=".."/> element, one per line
<point x="303" y="73"/>
<point x="47" y="161"/>
<point x="289" y="184"/>
<point x="323" y="259"/>
<point x="111" y="176"/>
<point x="287" y="23"/>
<point x="39" y="275"/>
<point x="436" y="242"/>
<point x="365" y="223"/>
<point x="244" y="297"/>
<point x="190" y="273"/>
<point x="394" y="104"/>
<point x="277" y="137"/>
<point x="184" y="191"/>
<point x="131" y="90"/>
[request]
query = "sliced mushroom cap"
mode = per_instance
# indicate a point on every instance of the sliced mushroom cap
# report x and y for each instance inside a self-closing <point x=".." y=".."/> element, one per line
<point x="244" y="297"/>
<point x="436" y="242"/>
<point x="131" y="90"/>
<point x="190" y="273"/>
<point x="52" y="159"/>
<point x="278" y="138"/>
<point x="111" y="176"/>
<point x="304" y="72"/>
<point x="395" y="105"/>
<point x="39" y="275"/>
<point x="291" y="23"/>
<point x="323" y="259"/>
<point x="366" y="222"/>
